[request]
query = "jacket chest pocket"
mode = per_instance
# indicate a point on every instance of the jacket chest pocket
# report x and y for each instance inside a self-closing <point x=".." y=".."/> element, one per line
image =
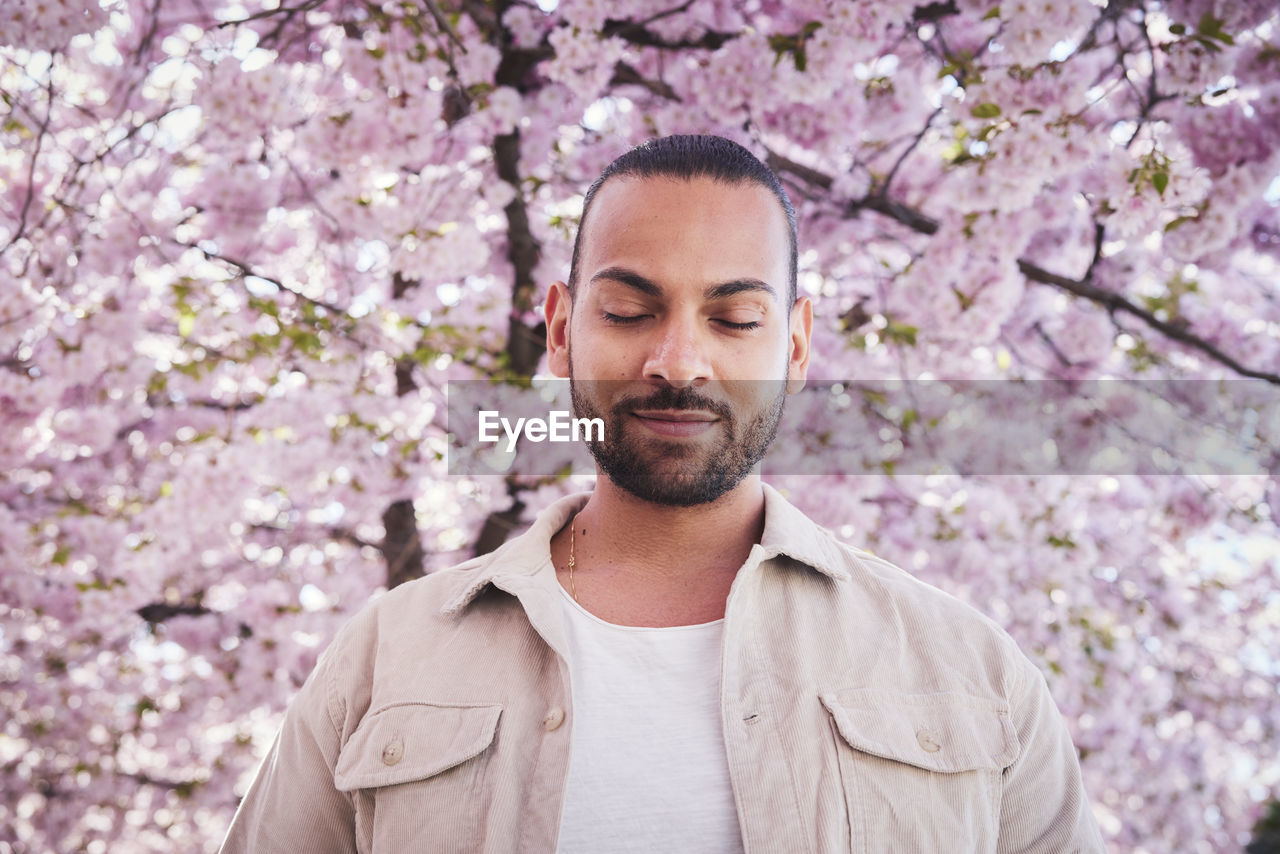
<point x="921" y="772"/>
<point x="416" y="774"/>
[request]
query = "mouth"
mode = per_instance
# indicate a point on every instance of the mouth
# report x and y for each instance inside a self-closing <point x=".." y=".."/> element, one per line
<point x="677" y="423"/>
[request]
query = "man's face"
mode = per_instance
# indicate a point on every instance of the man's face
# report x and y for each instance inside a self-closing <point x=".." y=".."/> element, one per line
<point x="679" y="337"/>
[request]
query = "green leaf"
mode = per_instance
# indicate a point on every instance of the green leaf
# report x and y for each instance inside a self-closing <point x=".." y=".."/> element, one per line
<point x="186" y="323"/>
<point x="1178" y="29"/>
<point x="901" y="333"/>
<point x="264" y="306"/>
<point x="993" y="13"/>
<point x="1210" y="26"/>
<point x="61" y="555"/>
<point x="305" y="340"/>
<point x="1160" y="181"/>
<point x="1207" y="43"/>
<point x="986" y="110"/>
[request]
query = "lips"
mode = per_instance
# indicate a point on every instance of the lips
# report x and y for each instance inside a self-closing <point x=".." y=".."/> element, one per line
<point x="676" y="422"/>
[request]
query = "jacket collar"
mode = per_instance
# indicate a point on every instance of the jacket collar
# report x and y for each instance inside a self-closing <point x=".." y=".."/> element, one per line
<point x="787" y="532"/>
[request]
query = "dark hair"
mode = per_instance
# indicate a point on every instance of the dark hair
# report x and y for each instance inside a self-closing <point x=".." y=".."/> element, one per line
<point x="688" y="157"/>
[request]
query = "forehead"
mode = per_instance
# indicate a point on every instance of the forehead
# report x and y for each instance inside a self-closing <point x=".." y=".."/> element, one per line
<point x="687" y="231"/>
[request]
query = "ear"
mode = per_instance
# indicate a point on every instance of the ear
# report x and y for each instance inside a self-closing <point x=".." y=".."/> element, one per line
<point x="801" y="332"/>
<point x="557" y="310"/>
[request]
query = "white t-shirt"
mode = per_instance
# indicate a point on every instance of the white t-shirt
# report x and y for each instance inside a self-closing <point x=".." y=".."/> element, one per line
<point x="647" y="770"/>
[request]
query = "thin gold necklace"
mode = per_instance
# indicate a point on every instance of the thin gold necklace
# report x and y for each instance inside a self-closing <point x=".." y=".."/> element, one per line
<point x="573" y="588"/>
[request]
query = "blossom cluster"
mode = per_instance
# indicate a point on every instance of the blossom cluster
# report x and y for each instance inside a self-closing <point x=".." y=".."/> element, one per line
<point x="244" y="247"/>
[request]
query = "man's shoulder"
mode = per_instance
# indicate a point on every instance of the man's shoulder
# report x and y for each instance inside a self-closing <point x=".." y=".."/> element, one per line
<point x="402" y="635"/>
<point x="880" y="602"/>
<point x="416" y="604"/>
<point x="928" y="631"/>
<point x="883" y="578"/>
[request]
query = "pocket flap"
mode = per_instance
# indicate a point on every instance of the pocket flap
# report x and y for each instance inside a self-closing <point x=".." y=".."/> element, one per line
<point x="413" y="741"/>
<point x="943" y="732"/>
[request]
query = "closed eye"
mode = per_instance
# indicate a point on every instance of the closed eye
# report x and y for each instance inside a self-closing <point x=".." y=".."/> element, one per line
<point x="623" y="319"/>
<point x="628" y="319"/>
<point x="754" y="324"/>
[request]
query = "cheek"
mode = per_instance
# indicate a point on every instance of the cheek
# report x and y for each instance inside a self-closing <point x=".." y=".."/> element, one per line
<point x="760" y="358"/>
<point x="591" y="360"/>
<point x="750" y="397"/>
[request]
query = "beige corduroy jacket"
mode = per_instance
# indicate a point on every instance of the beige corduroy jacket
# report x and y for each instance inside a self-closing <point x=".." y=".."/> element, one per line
<point x="863" y="710"/>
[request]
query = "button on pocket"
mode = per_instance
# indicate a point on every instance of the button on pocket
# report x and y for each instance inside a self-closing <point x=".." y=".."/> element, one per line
<point x="902" y="753"/>
<point x="928" y="741"/>
<point x="408" y="764"/>
<point x="436" y="736"/>
<point x="394" y="750"/>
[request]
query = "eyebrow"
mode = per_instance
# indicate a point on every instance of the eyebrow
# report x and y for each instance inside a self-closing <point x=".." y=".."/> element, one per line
<point x="632" y="279"/>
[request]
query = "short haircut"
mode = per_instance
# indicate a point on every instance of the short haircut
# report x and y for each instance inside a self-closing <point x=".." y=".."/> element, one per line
<point x="689" y="157"/>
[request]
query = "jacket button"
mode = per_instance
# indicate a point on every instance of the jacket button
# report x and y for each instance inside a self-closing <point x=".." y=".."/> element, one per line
<point x="393" y="752"/>
<point x="927" y="741"/>
<point x="554" y="718"/>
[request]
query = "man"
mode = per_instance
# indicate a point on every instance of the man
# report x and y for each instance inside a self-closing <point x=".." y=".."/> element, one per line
<point x="680" y="661"/>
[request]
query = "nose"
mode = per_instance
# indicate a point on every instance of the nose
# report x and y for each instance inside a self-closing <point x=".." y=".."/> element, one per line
<point x="678" y="355"/>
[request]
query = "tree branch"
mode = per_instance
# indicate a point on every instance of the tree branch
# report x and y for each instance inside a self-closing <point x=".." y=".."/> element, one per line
<point x="912" y="146"/>
<point x="524" y="344"/>
<point x="1083" y="288"/>
<point x="402" y="543"/>
<point x="934" y="11"/>
<point x="499" y="525"/>
<point x="31" y="170"/>
<point x="627" y="75"/>
<point x="443" y="23"/>
<point x="158" y="612"/>
<point x="634" y="32"/>
<point x="1116" y="303"/>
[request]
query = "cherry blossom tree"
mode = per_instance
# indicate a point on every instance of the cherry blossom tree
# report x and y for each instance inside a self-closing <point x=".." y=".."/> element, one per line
<point x="245" y="245"/>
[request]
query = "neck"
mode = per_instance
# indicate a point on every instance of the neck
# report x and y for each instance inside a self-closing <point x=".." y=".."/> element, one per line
<point x="640" y="563"/>
<point x="663" y="540"/>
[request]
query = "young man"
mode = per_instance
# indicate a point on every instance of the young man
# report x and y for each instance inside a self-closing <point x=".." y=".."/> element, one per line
<point x="680" y="660"/>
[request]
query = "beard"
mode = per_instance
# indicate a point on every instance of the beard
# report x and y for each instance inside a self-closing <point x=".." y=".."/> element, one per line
<point x="675" y="473"/>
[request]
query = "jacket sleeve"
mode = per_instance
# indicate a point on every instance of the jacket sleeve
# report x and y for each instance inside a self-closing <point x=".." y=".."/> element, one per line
<point x="293" y="804"/>
<point x="1044" y="807"/>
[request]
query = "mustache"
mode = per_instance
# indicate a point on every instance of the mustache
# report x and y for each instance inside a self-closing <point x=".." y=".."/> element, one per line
<point x="674" y="398"/>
